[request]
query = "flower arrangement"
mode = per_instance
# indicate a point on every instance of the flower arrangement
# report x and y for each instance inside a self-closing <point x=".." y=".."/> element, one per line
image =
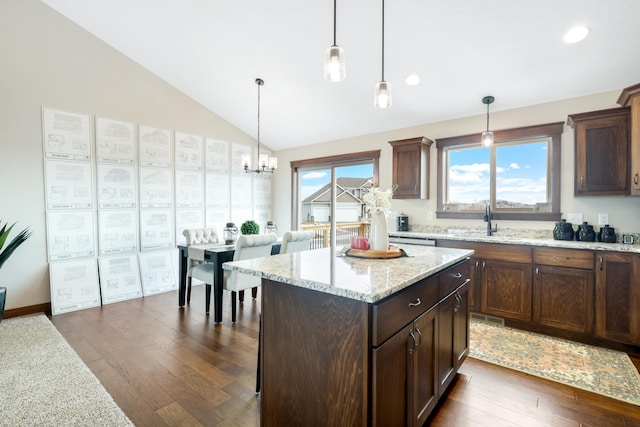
<point x="377" y="199"/>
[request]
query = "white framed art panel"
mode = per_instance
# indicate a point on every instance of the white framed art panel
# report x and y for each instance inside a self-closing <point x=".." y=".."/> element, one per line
<point x="74" y="285"/>
<point x="119" y="278"/>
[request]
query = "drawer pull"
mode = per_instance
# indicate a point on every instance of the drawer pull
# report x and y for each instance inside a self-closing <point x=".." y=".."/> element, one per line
<point x="457" y="275"/>
<point x="415" y="304"/>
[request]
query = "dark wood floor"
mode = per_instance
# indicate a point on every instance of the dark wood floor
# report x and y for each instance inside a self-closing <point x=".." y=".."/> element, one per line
<point x="166" y="366"/>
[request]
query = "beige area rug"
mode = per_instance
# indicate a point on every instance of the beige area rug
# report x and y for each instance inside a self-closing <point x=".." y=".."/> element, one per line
<point x="43" y="382"/>
<point x="598" y="370"/>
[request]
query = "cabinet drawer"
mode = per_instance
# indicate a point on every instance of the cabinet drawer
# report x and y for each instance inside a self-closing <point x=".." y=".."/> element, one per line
<point x="453" y="277"/>
<point x="496" y="251"/>
<point x="392" y="314"/>
<point x="574" y="258"/>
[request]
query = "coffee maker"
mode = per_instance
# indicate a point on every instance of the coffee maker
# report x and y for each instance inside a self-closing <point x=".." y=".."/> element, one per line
<point x="402" y="222"/>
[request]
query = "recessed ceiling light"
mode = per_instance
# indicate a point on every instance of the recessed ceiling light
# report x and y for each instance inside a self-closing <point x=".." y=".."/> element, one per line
<point x="412" y="80"/>
<point x="576" y="34"/>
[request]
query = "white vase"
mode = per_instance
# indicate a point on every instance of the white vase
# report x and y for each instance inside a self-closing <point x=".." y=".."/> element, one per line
<point x="378" y="235"/>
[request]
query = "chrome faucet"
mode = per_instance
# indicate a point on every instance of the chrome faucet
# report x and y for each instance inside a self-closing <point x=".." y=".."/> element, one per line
<point x="487" y="219"/>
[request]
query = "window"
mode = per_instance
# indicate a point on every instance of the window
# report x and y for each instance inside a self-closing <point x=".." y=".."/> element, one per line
<point x="519" y="175"/>
<point x="313" y="199"/>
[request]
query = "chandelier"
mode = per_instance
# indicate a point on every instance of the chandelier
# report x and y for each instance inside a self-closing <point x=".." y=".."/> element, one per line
<point x="265" y="163"/>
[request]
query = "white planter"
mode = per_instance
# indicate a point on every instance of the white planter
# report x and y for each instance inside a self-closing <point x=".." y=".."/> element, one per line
<point x="378" y="235"/>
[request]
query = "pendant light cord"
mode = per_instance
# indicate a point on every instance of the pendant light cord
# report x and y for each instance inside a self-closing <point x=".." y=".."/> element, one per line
<point x="259" y="82"/>
<point x="382" y="40"/>
<point x="334" y="22"/>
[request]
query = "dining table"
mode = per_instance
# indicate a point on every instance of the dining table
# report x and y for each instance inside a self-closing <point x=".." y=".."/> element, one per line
<point x="218" y="254"/>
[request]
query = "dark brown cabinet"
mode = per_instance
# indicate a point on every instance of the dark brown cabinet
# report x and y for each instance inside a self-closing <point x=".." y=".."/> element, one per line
<point x="506" y="289"/>
<point x="413" y="368"/>
<point x="411" y="168"/>
<point x="503" y="278"/>
<point x="602" y="150"/>
<point x="618" y="297"/>
<point x="372" y="364"/>
<point x="563" y="289"/>
<point x="453" y="336"/>
<point x="630" y="97"/>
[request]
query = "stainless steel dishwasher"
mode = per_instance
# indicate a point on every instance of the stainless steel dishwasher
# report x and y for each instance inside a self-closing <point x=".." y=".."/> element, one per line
<point x="420" y="241"/>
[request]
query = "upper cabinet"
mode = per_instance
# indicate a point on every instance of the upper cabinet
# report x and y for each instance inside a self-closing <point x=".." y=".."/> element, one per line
<point x="602" y="149"/>
<point x="411" y="168"/>
<point x="630" y="97"/>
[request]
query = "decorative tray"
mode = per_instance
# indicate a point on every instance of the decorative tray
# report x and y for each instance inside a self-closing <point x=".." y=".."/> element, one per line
<point x="392" y="252"/>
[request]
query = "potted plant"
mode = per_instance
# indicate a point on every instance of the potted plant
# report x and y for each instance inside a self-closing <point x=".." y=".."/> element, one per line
<point x="250" y="227"/>
<point x="7" y="251"/>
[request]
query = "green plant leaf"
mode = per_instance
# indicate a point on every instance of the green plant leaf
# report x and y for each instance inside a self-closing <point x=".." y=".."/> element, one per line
<point x="13" y="244"/>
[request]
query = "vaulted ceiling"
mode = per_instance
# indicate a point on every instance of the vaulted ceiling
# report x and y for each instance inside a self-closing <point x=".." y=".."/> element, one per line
<point x="462" y="50"/>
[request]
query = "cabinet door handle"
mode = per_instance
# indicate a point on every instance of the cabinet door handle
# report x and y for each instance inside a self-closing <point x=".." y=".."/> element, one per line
<point x="458" y="302"/>
<point x="483" y="264"/>
<point x="537" y="271"/>
<point x="457" y="275"/>
<point x="581" y="181"/>
<point x="412" y="344"/>
<point x="635" y="178"/>
<point x="600" y="263"/>
<point x="419" y="336"/>
<point x="415" y="304"/>
<point x="477" y="264"/>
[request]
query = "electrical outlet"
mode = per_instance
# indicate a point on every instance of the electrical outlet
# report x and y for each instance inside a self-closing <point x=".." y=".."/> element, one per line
<point x="603" y="219"/>
<point x="429" y="216"/>
<point x="574" y="218"/>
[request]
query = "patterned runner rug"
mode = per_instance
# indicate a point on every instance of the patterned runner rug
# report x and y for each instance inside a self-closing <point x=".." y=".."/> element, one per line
<point x="598" y="370"/>
<point x="43" y="382"/>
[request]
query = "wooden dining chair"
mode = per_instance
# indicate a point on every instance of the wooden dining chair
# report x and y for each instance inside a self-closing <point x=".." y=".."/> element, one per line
<point x="296" y="241"/>
<point x="199" y="236"/>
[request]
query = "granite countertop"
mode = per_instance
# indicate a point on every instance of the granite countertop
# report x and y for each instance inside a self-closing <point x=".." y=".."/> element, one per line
<point x="513" y="237"/>
<point x="368" y="280"/>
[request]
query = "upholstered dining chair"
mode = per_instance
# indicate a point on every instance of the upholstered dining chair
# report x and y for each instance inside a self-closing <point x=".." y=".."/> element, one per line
<point x="198" y="236"/>
<point x="296" y="241"/>
<point x="247" y="247"/>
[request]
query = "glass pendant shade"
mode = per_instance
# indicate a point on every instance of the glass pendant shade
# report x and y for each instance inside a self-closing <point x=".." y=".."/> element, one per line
<point x="334" y="69"/>
<point x="246" y="161"/>
<point x="382" y="97"/>
<point x="487" y="138"/>
<point x="263" y="161"/>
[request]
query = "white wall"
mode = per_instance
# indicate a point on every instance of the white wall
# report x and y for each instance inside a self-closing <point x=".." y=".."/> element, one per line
<point x="47" y="60"/>
<point x="624" y="212"/>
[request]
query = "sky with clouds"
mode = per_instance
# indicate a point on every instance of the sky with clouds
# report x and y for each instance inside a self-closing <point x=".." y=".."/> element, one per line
<point x="521" y="174"/>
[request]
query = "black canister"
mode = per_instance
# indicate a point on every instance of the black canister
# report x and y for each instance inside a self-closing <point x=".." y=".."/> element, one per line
<point x="607" y="234"/>
<point x="585" y="233"/>
<point x="563" y="230"/>
<point x="402" y="222"/>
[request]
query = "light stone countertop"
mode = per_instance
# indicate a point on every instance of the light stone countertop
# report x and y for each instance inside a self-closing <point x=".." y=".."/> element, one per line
<point x="368" y="280"/>
<point x="514" y="237"/>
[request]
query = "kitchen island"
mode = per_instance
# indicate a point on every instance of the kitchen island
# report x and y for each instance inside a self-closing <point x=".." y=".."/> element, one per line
<point x="354" y="342"/>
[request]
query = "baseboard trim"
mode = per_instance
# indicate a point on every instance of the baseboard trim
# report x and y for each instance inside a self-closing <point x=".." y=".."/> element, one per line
<point x="31" y="309"/>
<point x="487" y="318"/>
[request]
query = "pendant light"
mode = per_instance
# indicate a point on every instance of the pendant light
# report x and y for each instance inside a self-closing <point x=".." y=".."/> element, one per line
<point x="334" y="70"/>
<point x="382" y="96"/>
<point x="487" y="136"/>
<point x="265" y="163"/>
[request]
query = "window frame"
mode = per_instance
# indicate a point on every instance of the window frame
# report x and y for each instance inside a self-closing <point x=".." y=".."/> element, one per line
<point x="552" y="131"/>
<point x="328" y="162"/>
